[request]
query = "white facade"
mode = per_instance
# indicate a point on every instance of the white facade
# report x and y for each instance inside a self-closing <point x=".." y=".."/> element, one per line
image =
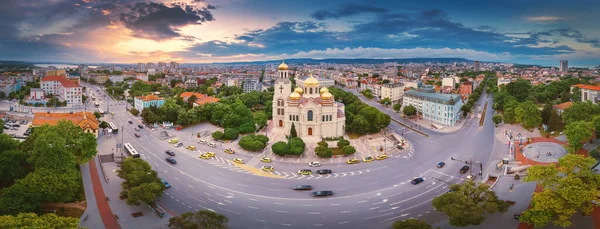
<point x="63" y="88"/>
<point x="449" y="82"/>
<point x="393" y="91"/>
<point x="438" y="108"/>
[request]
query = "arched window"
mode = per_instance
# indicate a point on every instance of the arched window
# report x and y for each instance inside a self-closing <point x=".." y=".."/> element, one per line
<point x="309" y="116"/>
<point x="310" y="91"/>
<point x="330" y="117"/>
<point x="280" y="102"/>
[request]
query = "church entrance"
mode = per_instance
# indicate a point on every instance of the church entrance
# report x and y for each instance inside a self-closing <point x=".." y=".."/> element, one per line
<point x="309" y="131"/>
<point x="280" y="123"/>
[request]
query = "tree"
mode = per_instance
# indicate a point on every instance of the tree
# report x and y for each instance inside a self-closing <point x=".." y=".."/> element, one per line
<point x="218" y="135"/>
<point x="97" y="114"/>
<point x="293" y="133"/>
<point x="253" y="142"/>
<point x="343" y="142"/>
<point x="141" y="181"/>
<point x="580" y="111"/>
<point x="397" y="107"/>
<point x="297" y="146"/>
<point x="576" y="95"/>
<point x="555" y="123"/>
<point x="410" y="110"/>
<point x="386" y="101"/>
<point x="134" y="111"/>
<point x="595" y="123"/>
<point x="519" y="89"/>
<point x="191" y="100"/>
<point x="31" y="220"/>
<point x="261" y="118"/>
<point x="568" y="188"/>
<point x="11" y="165"/>
<point x="468" y="203"/>
<point x="103" y="125"/>
<point x="576" y="133"/>
<point x="594" y="154"/>
<point x="546" y="113"/>
<point x="411" y="224"/>
<point x="348" y="150"/>
<point x="280" y="148"/>
<point x="199" y="220"/>
<point x="230" y="134"/>
<point x="323" y="152"/>
<point x="497" y="119"/>
<point x="528" y="114"/>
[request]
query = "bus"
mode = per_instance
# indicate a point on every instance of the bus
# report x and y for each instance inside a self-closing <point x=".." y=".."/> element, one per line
<point x="96" y="104"/>
<point x="131" y="151"/>
<point x="113" y="127"/>
<point x="101" y="111"/>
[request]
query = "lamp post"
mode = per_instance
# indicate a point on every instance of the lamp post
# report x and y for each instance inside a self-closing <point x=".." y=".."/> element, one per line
<point x="122" y="136"/>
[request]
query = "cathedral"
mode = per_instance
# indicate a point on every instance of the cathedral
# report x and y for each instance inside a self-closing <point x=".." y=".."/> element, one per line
<point x="311" y="109"/>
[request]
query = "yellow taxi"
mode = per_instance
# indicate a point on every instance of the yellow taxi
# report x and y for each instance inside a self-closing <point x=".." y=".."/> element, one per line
<point x="353" y="161"/>
<point x="204" y="156"/>
<point x="191" y="147"/>
<point x="173" y="141"/>
<point x="305" y="172"/>
<point x="266" y="159"/>
<point x="210" y="154"/>
<point x="229" y="151"/>
<point x="267" y="168"/>
<point x="238" y="160"/>
<point x="381" y="157"/>
<point x="368" y="159"/>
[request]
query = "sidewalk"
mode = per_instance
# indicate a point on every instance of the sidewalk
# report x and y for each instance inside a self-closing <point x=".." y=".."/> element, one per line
<point x="90" y="218"/>
<point x="105" y="212"/>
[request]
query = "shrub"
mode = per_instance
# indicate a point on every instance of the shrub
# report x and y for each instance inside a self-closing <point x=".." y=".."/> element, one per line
<point x="323" y="143"/>
<point x="349" y="150"/>
<point x="134" y="111"/>
<point x="217" y="135"/>
<point x="341" y="143"/>
<point x="280" y="148"/>
<point x="296" y="146"/>
<point x="323" y="152"/>
<point x="230" y="134"/>
<point x="253" y="142"/>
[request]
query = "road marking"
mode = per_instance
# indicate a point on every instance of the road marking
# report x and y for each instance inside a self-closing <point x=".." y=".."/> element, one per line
<point x="286" y="224"/>
<point x="282" y="211"/>
<point x="335" y="204"/>
<point x="176" y="178"/>
<point x="190" y="186"/>
<point x="314" y="213"/>
<point x="362" y="201"/>
<point x="317" y="225"/>
<point x="344" y="222"/>
<point x="252" y="207"/>
<point x="252" y="199"/>
<point x="278" y="203"/>
<point x="260" y="220"/>
<point x="394" y="208"/>
<point x="306" y="205"/>
<point x="373" y="208"/>
<point x="342" y="212"/>
<point x="208" y="194"/>
<point x="229" y="211"/>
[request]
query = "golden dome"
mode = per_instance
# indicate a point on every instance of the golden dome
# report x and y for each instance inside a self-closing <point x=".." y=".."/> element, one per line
<point x="326" y="95"/>
<point x="324" y="89"/>
<point x="283" y="66"/>
<point x="295" y="96"/>
<point x="299" y="90"/>
<point x="311" y="81"/>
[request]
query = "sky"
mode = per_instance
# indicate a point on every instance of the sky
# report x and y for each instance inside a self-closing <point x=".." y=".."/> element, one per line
<point x="207" y="31"/>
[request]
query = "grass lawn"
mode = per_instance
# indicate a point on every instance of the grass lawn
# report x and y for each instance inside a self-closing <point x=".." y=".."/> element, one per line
<point x="353" y="135"/>
<point x="543" y="133"/>
<point x="337" y="151"/>
<point x="69" y="212"/>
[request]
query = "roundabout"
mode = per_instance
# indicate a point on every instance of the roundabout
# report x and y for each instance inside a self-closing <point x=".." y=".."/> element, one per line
<point x="545" y="152"/>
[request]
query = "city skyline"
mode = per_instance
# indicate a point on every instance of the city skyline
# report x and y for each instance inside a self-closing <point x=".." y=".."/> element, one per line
<point x="196" y="31"/>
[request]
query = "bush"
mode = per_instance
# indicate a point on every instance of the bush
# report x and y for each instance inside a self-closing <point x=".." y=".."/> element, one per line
<point x="280" y="148"/>
<point x="323" y="143"/>
<point x="296" y="146"/>
<point x="323" y="152"/>
<point x="217" y="135"/>
<point x="349" y="150"/>
<point x="134" y="111"/>
<point x="230" y="134"/>
<point x="341" y="143"/>
<point x="517" y="177"/>
<point x="253" y="142"/>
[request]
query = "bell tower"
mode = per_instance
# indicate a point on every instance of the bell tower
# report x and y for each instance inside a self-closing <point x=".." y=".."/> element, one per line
<point x="283" y="88"/>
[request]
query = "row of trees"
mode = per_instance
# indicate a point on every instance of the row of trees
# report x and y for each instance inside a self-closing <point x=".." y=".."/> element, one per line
<point x="473" y="97"/>
<point x="360" y="117"/>
<point x="142" y="184"/>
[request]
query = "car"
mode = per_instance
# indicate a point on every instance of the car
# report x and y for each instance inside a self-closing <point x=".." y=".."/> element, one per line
<point x="136" y="129"/>
<point x="178" y="144"/>
<point x="229" y="151"/>
<point x="314" y="164"/>
<point x="267" y="168"/>
<point x="137" y="135"/>
<point x="140" y="126"/>
<point x="441" y="164"/>
<point x="170" y="152"/>
<point x="173" y="141"/>
<point x="202" y="141"/>
<point x="167" y="185"/>
<point x="471" y="176"/>
<point x="238" y="160"/>
<point x="324" y="171"/>
<point x="464" y="169"/>
<point x="16" y="125"/>
<point x="381" y="157"/>
<point x="204" y="156"/>
<point x="190" y="147"/>
<point x="322" y="193"/>
<point x="212" y="145"/>
<point x="171" y="160"/>
<point x="130" y="122"/>
<point x="302" y="187"/>
<point x="417" y="180"/>
<point x="266" y="160"/>
<point x="210" y="153"/>
<point x="368" y="159"/>
<point x="6" y="127"/>
<point x="352" y="161"/>
<point x="305" y="172"/>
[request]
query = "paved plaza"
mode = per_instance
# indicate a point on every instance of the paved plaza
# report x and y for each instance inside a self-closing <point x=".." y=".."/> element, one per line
<point x="544" y="151"/>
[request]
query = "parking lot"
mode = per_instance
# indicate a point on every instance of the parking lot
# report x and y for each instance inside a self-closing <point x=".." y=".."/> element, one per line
<point x="17" y="126"/>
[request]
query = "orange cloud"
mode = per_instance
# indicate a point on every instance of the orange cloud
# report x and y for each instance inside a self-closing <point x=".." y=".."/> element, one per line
<point x="105" y="12"/>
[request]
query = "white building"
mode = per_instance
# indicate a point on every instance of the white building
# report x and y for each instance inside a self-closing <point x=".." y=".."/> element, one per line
<point x="65" y="89"/>
<point x="503" y="81"/>
<point x="393" y="91"/>
<point x="588" y="93"/>
<point x="438" y="108"/>
<point x="564" y="66"/>
<point x="313" y="111"/>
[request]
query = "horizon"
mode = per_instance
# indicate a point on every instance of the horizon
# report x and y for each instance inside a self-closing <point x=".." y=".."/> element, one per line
<point x="214" y="32"/>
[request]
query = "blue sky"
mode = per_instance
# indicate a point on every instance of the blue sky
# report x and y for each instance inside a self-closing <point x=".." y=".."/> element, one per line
<point x="193" y="31"/>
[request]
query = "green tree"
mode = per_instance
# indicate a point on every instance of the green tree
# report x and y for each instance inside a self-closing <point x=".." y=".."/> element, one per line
<point x="280" y="148"/>
<point x="97" y="114"/>
<point x="323" y="143"/>
<point x="141" y="181"/>
<point x="199" y="220"/>
<point x="32" y="221"/>
<point x="261" y="118"/>
<point x="49" y="152"/>
<point x="555" y="123"/>
<point x="594" y="154"/>
<point x="580" y="111"/>
<point x="349" y="150"/>
<point x="218" y="135"/>
<point x="410" y="110"/>
<point x="469" y="203"/>
<point x="576" y="95"/>
<point x="293" y="133"/>
<point x="596" y="125"/>
<point x="397" y="107"/>
<point x="297" y="146"/>
<point x="509" y="111"/>
<point x="253" y="142"/>
<point x="343" y="142"/>
<point x="546" y="113"/>
<point x="103" y="125"/>
<point x="576" y="133"/>
<point x="497" y="119"/>
<point x="528" y="115"/>
<point x="323" y="152"/>
<point x="411" y="224"/>
<point x="360" y="125"/>
<point x="386" y="101"/>
<point x="11" y="165"/>
<point x="134" y="111"/>
<point x="568" y="188"/>
<point x="230" y="134"/>
<point x="519" y="89"/>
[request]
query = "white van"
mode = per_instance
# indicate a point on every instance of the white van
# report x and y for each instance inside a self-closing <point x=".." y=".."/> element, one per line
<point x="212" y="145"/>
<point x="202" y="141"/>
<point x="178" y="144"/>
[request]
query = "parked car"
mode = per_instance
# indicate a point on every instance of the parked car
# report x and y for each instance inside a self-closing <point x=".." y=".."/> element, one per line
<point x="381" y="157"/>
<point x="140" y="126"/>
<point x="171" y="160"/>
<point x="322" y="193"/>
<point x="314" y="164"/>
<point x="441" y="164"/>
<point x="471" y="176"/>
<point x="417" y="180"/>
<point x="167" y="185"/>
<point x="464" y="169"/>
<point x="266" y="160"/>
<point x="305" y="172"/>
<point x="130" y="122"/>
<point x="137" y="135"/>
<point x="170" y="153"/>
<point x="238" y="160"/>
<point x="302" y="187"/>
<point x="324" y="171"/>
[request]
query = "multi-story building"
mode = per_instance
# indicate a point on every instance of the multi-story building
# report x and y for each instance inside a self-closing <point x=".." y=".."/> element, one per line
<point x="466" y="88"/>
<point x="162" y="65"/>
<point x="564" y="66"/>
<point x="116" y="78"/>
<point x="393" y="91"/>
<point x="477" y="66"/>
<point x="588" y="92"/>
<point x="174" y="64"/>
<point x="151" y="65"/>
<point x="10" y="85"/>
<point x="191" y="83"/>
<point x="86" y="120"/>
<point x="142" y="102"/>
<point x="56" y="72"/>
<point x="503" y="81"/>
<point x="36" y="94"/>
<point x="65" y="89"/>
<point x="438" y="108"/>
<point x="250" y="84"/>
<point x="141" y="67"/>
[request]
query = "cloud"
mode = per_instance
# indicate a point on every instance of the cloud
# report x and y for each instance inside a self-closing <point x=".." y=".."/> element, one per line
<point x="379" y="53"/>
<point x="543" y="19"/>
<point x="346" y="10"/>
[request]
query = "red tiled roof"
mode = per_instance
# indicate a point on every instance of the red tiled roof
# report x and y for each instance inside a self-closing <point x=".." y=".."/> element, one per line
<point x="563" y="106"/>
<point x="588" y="87"/>
<point x="87" y="120"/>
<point x="149" y="98"/>
<point x="200" y="98"/>
<point x="63" y="80"/>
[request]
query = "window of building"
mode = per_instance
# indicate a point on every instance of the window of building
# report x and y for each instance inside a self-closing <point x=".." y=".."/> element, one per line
<point x="309" y="116"/>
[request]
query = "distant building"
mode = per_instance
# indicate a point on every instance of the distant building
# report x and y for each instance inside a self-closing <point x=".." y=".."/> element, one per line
<point x="174" y="65"/>
<point x="9" y="85"/>
<point x="65" y="89"/>
<point x="588" y="92"/>
<point x="323" y="82"/>
<point x="142" y="102"/>
<point x="466" y="88"/>
<point x="477" y="66"/>
<point x="393" y="91"/>
<point x="250" y="84"/>
<point x="201" y="99"/>
<point x="438" y="108"/>
<point x="36" y="94"/>
<point x="560" y="108"/>
<point x="141" y="67"/>
<point x="116" y="78"/>
<point x="56" y="72"/>
<point x="86" y="120"/>
<point x="503" y="81"/>
<point x="564" y="66"/>
<point x="191" y="83"/>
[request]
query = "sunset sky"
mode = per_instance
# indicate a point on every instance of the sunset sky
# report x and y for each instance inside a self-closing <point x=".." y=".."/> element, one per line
<point x="205" y="31"/>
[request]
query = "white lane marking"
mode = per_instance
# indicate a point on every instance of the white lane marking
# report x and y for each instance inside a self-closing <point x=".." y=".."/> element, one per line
<point x="229" y="211"/>
<point x="176" y="178"/>
<point x="260" y="220"/>
<point x="373" y="208"/>
<point x="342" y="212"/>
<point x="252" y="207"/>
<point x="314" y="213"/>
<point x="278" y="203"/>
<point x="394" y="208"/>
<point x="286" y="224"/>
<point x="282" y="211"/>
<point x="228" y="201"/>
<point x="243" y="185"/>
<point x="306" y="205"/>
<point x="208" y="194"/>
<point x="317" y="225"/>
<point x="362" y="201"/>
<point x="335" y="204"/>
<point x="344" y="222"/>
<point x="190" y="186"/>
<point x="252" y="199"/>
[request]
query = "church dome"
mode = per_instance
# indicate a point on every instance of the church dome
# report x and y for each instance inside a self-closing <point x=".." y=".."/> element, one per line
<point x="299" y="90"/>
<point x="311" y="81"/>
<point x="283" y="66"/>
<point x="324" y="89"/>
<point x="326" y="95"/>
<point x="295" y="96"/>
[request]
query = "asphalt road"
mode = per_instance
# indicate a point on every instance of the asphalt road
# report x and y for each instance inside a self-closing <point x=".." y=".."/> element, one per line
<point x="367" y="195"/>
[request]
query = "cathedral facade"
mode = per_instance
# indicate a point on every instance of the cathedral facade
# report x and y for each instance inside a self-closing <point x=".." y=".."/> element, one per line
<point x="311" y="109"/>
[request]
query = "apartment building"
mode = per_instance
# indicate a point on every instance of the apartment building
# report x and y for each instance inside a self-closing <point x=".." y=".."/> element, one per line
<point x="439" y="108"/>
<point x="393" y="91"/>
<point x="63" y="88"/>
